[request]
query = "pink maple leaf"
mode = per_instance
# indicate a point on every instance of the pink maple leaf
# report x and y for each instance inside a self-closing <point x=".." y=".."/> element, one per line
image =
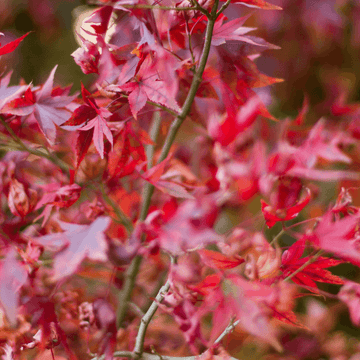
<point x="12" y="276"/>
<point x="75" y="244"/>
<point x="350" y="295"/>
<point x="146" y="85"/>
<point x="190" y="227"/>
<point x="247" y="301"/>
<point x="233" y="30"/>
<point x="337" y="237"/>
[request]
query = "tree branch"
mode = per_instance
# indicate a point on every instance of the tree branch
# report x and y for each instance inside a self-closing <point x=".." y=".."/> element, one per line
<point x="149" y="188"/>
<point x="139" y="343"/>
<point x="228" y="330"/>
<point x="132" y="271"/>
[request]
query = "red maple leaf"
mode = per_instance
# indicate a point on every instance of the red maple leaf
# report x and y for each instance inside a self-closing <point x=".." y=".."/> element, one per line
<point x="219" y="261"/>
<point x="75" y="244"/>
<point x="156" y="177"/>
<point x="128" y="150"/>
<point x="94" y="118"/>
<point x="48" y="109"/>
<point x="12" y="45"/>
<point x="315" y="271"/>
<point x="273" y="215"/>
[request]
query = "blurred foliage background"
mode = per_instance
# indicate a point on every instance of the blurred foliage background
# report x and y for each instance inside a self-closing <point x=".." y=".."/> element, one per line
<point x="319" y="40"/>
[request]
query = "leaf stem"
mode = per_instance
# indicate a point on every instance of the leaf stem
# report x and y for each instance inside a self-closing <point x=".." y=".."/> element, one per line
<point x="277" y="237"/>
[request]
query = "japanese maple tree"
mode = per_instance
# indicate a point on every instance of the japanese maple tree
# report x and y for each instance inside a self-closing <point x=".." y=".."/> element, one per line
<point x="116" y="239"/>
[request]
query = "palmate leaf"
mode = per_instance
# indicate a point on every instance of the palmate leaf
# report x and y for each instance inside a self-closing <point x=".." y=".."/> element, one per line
<point x="47" y="109"/>
<point x="76" y="243"/>
<point x="94" y="118"/>
<point x="146" y="85"/>
<point x="337" y="237"/>
<point x="314" y="271"/>
<point x="234" y="296"/>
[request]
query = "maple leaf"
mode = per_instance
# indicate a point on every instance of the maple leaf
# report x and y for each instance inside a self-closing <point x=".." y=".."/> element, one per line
<point x="58" y="196"/>
<point x="80" y="242"/>
<point x="219" y="261"/>
<point x="273" y="215"/>
<point x="9" y="93"/>
<point x="189" y="227"/>
<point x="156" y="177"/>
<point x="234" y="296"/>
<point x="94" y="118"/>
<point x="257" y="4"/>
<point x="128" y="150"/>
<point x="146" y="85"/>
<point x="232" y="30"/>
<point x="12" y="45"/>
<point x="46" y="108"/>
<point x="350" y="295"/>
<point x="337" y="237"/>
<point x="42" y="310"/>
<point x="100" y="18"/>
<point x="314" y="271"/>
<point x="13" y="275"/>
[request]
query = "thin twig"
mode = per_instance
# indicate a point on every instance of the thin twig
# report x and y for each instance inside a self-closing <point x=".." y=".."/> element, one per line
<point x="228" y="330"/>
<point x="201" y="9"/>
<point x="139" y="342"/>
<point x="277" y="237"/>
<point x="223" y="8"/>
